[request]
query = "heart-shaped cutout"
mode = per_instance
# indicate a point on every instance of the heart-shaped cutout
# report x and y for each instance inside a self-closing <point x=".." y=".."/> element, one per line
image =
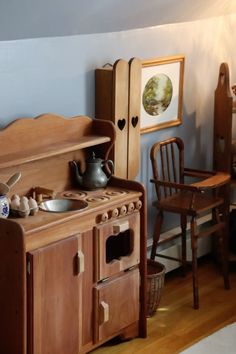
<point x="121" y="123"/>
<point x="134" y="121"/>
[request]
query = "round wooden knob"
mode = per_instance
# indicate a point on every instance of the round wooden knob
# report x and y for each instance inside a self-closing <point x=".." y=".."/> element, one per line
<point x="123" y="210"/>
<point x="115" y="213"/>
<point x="138" y="205"/>
<point x="104" y="217"/>
<point x="130" y="207"/>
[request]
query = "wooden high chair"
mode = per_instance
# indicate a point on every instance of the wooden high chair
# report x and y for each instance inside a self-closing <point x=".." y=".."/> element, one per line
<point x="188" y="200"/>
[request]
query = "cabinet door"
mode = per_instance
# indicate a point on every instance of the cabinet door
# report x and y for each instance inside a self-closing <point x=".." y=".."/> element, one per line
<point x="112" y="87"/>
<point x="134" y="118"/>
<point x="120" y="116"/>
<point x="53" y="298"/>
<point x="116" y="305"/>
<point x="118" y="97"/>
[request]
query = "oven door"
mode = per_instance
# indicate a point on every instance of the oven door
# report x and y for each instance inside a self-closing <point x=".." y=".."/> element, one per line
<point x="115" y="308"/>
<point x="117" y="245"/>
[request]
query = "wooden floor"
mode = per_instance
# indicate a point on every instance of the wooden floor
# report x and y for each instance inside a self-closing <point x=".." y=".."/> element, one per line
<point x="176" y="325"/>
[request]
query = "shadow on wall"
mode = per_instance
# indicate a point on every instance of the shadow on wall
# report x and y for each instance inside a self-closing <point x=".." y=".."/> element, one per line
<point x="194" y="157"/>
<point x="90" y="93"/>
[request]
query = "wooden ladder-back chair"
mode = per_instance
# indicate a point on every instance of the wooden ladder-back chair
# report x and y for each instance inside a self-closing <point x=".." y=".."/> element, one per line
<point x="187" y="200"/>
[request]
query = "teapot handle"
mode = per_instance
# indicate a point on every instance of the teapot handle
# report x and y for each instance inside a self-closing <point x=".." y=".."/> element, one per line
<point x="111" y="167"/>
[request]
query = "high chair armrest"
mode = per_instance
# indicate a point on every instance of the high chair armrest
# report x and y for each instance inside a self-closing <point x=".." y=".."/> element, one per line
<point x="177" y="186"/>
<point x="219" y="179"/>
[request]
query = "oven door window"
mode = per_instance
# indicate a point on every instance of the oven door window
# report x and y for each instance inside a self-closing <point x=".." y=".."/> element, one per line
<point x="117" y="246"/>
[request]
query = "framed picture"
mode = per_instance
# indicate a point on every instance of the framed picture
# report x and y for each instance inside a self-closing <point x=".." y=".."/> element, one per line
<point x="161" y="93"/>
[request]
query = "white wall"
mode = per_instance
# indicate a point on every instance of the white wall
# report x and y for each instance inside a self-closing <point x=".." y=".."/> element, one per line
<point x="57" y="75"/>
<point x="50" y="18"/>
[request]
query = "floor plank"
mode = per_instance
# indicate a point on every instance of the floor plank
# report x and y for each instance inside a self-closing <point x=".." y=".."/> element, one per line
<point x="176" y="325"/>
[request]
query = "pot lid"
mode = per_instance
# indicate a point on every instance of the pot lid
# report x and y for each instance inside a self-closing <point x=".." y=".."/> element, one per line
<point x="93" y="158"/>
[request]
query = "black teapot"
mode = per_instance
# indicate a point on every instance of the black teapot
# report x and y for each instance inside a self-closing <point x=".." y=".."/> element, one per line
<point x="93" y="177"/>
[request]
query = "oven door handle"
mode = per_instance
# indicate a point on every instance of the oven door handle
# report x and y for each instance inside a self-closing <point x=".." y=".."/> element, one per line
<point x="121" y="227"/>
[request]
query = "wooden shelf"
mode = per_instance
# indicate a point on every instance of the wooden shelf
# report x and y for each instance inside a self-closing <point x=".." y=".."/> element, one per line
<point x="12" y="160"/>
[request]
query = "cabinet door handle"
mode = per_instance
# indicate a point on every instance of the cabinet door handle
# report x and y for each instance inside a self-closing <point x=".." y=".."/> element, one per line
<point x="103" y="312"/>
<point x="80" y="262"/>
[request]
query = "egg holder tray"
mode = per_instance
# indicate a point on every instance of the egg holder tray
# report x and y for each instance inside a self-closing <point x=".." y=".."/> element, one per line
<point x="23" y="213"/>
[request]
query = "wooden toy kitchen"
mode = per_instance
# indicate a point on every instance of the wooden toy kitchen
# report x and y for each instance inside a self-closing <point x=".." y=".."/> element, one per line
<point x="71" y="280"/>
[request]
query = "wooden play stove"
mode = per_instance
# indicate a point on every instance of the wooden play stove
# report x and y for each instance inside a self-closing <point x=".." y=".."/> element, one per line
<point x="60" y="270"/>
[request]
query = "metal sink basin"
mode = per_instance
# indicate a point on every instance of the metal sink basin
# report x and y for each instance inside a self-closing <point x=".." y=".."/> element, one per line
<point x="62" y="205"/>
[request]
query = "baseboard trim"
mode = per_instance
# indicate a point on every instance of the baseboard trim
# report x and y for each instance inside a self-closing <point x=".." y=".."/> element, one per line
<point x="173" y="247"/>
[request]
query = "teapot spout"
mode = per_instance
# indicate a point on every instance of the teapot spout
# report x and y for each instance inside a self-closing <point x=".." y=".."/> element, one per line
<point x="76" y="171"/>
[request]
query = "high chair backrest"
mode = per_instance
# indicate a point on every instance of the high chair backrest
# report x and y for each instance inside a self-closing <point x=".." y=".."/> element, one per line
<point x="167" y="158"/>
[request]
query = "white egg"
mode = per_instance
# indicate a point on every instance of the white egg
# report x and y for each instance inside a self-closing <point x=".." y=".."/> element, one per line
<point x="24" y="209"/>
<point x="15" y="197"/>
<point x="15" y="204"/>
<point x="33" y="204"/>
<point x="24" y="205"/>
<point x="25" y="199"/>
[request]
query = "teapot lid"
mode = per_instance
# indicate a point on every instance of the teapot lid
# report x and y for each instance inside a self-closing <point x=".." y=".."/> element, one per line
<point x="93" y="159"/>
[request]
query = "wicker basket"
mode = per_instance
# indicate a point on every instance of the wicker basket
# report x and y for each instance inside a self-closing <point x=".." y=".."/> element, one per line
<point x="155" y="284"/>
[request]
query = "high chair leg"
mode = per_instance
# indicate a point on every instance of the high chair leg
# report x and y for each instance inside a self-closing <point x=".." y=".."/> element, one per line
<point x="157" y="232"/>
<point x="183" y="220"/>
<point x="194" y="263"/>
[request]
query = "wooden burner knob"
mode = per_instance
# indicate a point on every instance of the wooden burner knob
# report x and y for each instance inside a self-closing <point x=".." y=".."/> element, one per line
<point x="123" y="210"/>
<point x="130" y="207"/>
<point x="114" y="213"/>
<point x="104" y="217"/>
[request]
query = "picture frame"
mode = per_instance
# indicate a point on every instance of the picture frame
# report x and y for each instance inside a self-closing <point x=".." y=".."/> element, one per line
<point x="161" y="93"/>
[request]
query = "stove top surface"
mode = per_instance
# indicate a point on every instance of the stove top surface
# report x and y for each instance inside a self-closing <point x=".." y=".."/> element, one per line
<point x="100" y="202"/>
<point x="96" y="196"/>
